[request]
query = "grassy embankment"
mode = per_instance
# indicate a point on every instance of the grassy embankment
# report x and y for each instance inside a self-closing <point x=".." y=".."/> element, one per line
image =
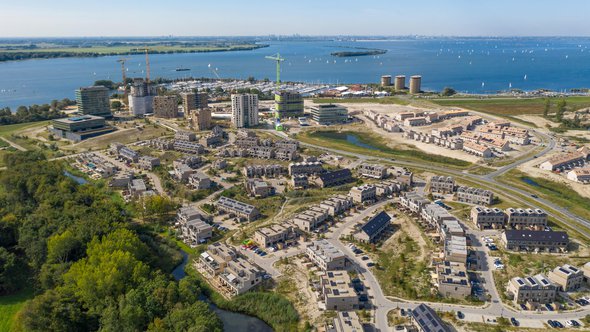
<point x="10" y="305"/>
<point x="6" y="131"/>
<point x="338" y="140"/>
<point x="384" y="100"/>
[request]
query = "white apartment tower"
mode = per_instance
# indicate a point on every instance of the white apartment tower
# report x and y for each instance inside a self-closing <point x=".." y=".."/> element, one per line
<point x="244" y="110"/>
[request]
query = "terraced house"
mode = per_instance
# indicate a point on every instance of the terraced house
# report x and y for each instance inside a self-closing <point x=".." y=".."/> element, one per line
<point x="325" y="256"/>
<point x="238" y="209"/>
<point x="532" y="291"/>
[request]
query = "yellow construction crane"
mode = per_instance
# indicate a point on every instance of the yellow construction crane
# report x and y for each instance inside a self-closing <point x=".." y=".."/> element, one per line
<point x="147" y="63"/>
<point x="123" y="72"/>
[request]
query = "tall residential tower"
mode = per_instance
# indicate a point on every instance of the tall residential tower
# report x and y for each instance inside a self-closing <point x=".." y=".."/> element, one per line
<point x="94" y="100"/>
<point x="244" y="110"/>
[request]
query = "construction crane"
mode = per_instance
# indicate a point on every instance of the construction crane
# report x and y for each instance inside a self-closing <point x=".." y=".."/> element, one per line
<point x="123" y="72"/>
<point x="147" y="63"/>
<point x="278" y="59"/>
<point x="214" y="71"/>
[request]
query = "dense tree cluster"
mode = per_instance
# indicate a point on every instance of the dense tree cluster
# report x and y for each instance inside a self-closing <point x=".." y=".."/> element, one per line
<point x="92" y="268"/>
<point x="35" y="112"/>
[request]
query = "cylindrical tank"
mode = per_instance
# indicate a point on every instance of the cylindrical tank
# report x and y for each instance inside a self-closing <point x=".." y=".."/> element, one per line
<point x="386" y="80"/>
<point x="415" y="82"/>
<point x="400" y="82"/>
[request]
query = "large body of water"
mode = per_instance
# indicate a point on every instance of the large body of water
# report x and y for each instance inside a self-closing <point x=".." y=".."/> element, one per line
<point x="484" y="65"/>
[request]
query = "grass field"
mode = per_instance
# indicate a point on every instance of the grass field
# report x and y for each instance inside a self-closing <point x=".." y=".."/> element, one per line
<point x="512" y="106"/>
<point x="10" y="305"/>
<point x="123" y="136"/>
<point x="372" y="144"/>
<point x="385" y="101"/>
<point x="8" y="130"/>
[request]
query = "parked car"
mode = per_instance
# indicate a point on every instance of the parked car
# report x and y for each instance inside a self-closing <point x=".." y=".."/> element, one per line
<point x="460" y="315"/>
<point x="514" y="321"/>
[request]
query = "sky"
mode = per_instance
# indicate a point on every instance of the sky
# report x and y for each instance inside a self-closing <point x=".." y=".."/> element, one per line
<point x="58" y="18"/>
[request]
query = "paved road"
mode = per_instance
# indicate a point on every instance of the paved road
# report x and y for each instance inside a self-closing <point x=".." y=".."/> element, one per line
<point x="14" y="145"/>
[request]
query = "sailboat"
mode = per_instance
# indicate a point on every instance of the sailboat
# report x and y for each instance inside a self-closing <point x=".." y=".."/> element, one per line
<point x="525" y="77"/>
<point x="509" y="85"/>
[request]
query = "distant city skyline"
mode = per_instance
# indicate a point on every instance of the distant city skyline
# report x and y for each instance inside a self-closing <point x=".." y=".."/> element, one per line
<point x="68" y="18"/>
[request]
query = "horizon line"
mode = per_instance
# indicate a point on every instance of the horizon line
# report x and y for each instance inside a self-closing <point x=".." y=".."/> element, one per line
<point x="300" y="36"/>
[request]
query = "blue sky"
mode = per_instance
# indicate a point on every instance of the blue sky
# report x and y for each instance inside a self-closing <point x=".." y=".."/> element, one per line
<point x="306" y="17"/>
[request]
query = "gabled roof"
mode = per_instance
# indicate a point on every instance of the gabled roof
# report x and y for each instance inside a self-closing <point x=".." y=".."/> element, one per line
<point x="376" y="223"/>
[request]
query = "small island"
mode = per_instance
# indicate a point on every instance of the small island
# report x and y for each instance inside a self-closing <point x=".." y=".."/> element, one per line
<point x="359" y="52"/>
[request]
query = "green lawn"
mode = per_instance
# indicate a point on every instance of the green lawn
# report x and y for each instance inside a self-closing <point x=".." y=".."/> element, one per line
<point x="511" y="106"/>
<point x="7" y="130"/>
<point x="385" y="100"/>
<point x="10" y="305"/>
<point x="374" y="145"/>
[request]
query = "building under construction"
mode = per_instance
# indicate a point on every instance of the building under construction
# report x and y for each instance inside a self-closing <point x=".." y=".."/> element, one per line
<point x="141" y="99"/>
<point x="288" y="104"/>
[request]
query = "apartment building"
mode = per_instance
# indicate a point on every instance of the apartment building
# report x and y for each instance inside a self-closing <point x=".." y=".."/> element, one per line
<point x="274" y="235"/>
<point x="452" y="280"/>
<point x="311" y="218"/>
<point x="337" y="205"/>
<point x="534" y="219"/>
<point x="387" y="188"/>
<point x="201" y="119"/>
<point x="288" y="104"/>
<point x="137" y="187"/>
<point x="415" y="121"/>
<point x="525" y="240"/>
<point x="581" y="175"/>
<point x="148" y="162"/>
<point x="94" y="100"/>
<point x="364" y="193"/>
<point x="425" y="319"/>
<point x="435" y="214"/>
<point x="212" y="261"/>
<point x="165" y="107"/>
<point x="455" y="249"/>
<point x="488" y="218"/>
<point x="188" y="147"/>
<point x="193" y="227"/>
<point x="239" y="276"/>
<point x="345" y="321"/>
<point x="121" y="179"/>
<point x="476" y="196"/>
<point x="442" y="184"/>
<point x="338" y="292"/>
<point x="477" y="149"/>
<point x="372" y="230"/>
<point x="199" y="181"/>
<point x="124" y="152"/>
<point x="238" y="209"/>
<point x="564" y="161"/>
<point x="413" y="201"/>
<point x="244" y="110"/>
<point x="532" y="290"/>
<point x="299" y="181"/>
<point x="334" y="178"/>
<point x="402" y="175"/>
<point x="259" y="189"/>
<point x="305" y="168"/>
<point x="185" y="136"/>
<point x="269" y="171"/>
<point x="567" y="277"/>
<point x="373" y="171"/>
<point x="325" y="256"/>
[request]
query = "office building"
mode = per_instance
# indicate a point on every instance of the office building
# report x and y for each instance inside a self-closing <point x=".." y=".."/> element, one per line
<point x="288" y="104"/>
<point x="244" y="110"/>
<point x="165" y="107"/>
<point x="94" y="100"/>
<point x="80" y="128"/>
<point x="327" y="114"/>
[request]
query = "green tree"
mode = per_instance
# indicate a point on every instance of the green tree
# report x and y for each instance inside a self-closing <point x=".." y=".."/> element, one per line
<point x="11" y="270"/>
<point x="63" y="247"/>
<point x="547" y="107"/>
<point x="116" y="105"/>
<point x="191" y="318"/>
<point x="447" y="92"/>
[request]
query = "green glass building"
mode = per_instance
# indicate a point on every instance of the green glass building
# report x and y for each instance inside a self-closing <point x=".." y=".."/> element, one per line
<point x="288" y="104"/>
<point x="94" y="100"/>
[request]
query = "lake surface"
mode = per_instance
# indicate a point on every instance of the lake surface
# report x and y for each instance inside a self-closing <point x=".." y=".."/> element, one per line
<point x="353" y="139"/>
<point x="78" y="179"/>
<point x="484" y="65"/>
<point x="231" y="321"/>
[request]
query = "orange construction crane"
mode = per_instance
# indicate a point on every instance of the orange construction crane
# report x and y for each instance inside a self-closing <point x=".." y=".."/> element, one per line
<point x="147" y="63"/>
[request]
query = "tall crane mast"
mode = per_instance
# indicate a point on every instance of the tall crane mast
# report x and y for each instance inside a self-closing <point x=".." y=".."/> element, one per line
<point x="278" y="59"/>
<point x="147" y="64"/>
<point x="124" y="76"/>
